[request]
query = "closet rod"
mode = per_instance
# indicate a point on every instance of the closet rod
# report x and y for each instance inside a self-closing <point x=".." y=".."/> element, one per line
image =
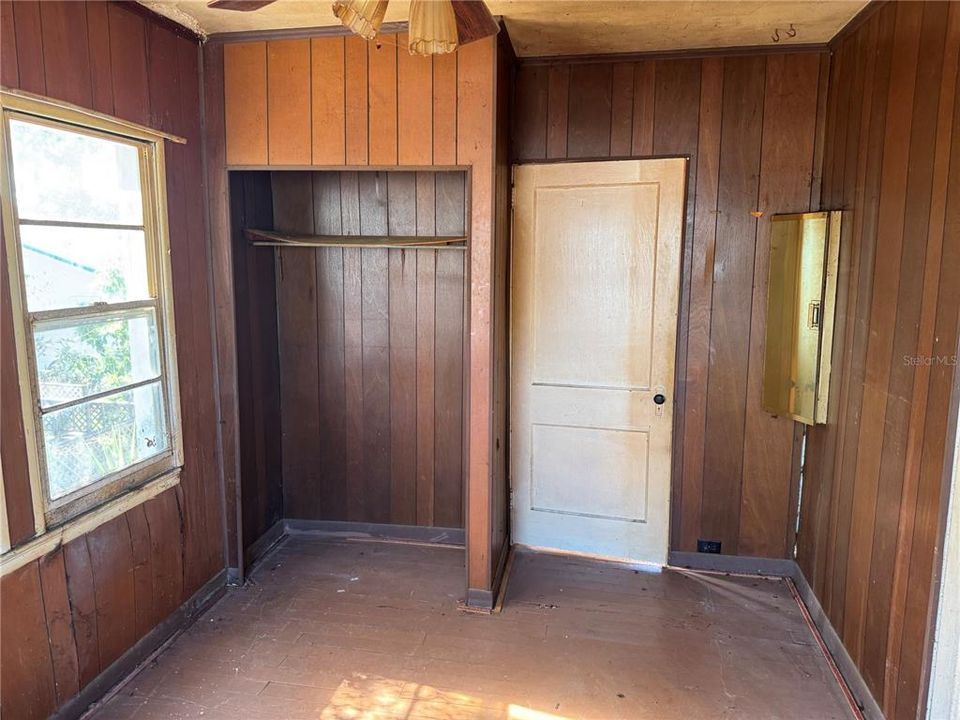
<point x="267" y="238"/>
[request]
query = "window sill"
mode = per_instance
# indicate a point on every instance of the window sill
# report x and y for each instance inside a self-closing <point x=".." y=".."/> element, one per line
<point x="53" y="538"/>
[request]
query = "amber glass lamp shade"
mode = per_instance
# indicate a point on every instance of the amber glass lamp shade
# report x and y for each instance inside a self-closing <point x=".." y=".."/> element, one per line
<point x="364" y="17"/>
<point x="432" y="27"/>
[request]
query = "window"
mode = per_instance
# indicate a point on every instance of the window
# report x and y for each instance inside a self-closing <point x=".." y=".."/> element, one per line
<point x="87" y="255"/>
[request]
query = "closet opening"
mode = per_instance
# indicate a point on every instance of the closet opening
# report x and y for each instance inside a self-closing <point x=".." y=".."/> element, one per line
<point x="350" y="308"/>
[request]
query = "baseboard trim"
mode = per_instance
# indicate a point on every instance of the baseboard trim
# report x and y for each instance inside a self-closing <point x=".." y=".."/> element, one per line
<point x="775" y="567"/>
<point x="484" y="600"/>
<point x="127" y="664"/>
<point x="374" y="531"/>
<point x="741" y="565"/>
<point x="855" y="682"/>
<point x="263" y="544"/>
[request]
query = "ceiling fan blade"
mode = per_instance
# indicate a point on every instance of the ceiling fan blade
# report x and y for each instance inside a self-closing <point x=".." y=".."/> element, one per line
<point x="241" y="5"/>
<point x="474" y="20"/>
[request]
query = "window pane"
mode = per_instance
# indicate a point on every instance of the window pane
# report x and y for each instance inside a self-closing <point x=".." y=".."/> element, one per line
<point x="87" y="442"/>
<point x="66" y="267"/>
<point x="92" y="355"/>
<point x="68" y="176"/>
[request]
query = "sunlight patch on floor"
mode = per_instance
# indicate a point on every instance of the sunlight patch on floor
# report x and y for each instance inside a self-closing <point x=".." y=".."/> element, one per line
<point x="367" y="697"/>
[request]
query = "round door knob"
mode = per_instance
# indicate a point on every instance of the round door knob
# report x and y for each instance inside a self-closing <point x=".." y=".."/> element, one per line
<point x="659" y="398"/>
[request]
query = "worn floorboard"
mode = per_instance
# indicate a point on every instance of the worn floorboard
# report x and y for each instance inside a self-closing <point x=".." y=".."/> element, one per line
<point x="345" y="629"/>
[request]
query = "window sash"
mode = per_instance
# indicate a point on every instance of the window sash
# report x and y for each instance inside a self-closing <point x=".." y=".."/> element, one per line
<point x="48" y="511"/>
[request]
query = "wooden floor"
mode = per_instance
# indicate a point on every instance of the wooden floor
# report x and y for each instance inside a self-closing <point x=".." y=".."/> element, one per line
<point x="354" y="630"/>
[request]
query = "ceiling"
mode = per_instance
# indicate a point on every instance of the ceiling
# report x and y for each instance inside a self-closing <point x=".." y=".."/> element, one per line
<point x="575" y="27"/>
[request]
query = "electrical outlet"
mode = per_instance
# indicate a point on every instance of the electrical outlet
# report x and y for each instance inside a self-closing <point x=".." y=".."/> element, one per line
<point x="708" y="546"/>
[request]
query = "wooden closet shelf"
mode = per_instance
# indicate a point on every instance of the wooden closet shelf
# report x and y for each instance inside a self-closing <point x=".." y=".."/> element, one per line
<point x="267" y="238"/>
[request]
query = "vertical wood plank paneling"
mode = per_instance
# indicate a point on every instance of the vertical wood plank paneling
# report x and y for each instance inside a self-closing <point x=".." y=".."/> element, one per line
<point x="327" y="104"/>
<point x="289" y="102"/>
<point x="729" y="326"/>
<point x="117" y="61"/>
<point x="356" y="99"/>
<point x="449" y="358"/>
<point x="29" y="42"/>
<point x="206" y="546"/>
<point x="402" y="220"/>
<point x="9" y="69"/>
<point x="529" y="132"/>
<point x="83" y="607"/>
<point x="293" y="211"/>
<point x="65" y="54"/>
<point x="363" y="434"/>
<point x="245" y="102"/>
<point x="644" y="79"/>
<point x="475" y="135"/>
<point x="98" y="43"/>
<point x="163" y="516"/>
<point x="128" y="63"/>
<point x="145" y="616"/>
<point x="688" y="506"/>
<point x="916" y="227"/>
<point x="589" y="122"/>
<point x="558" y="109"/>
<point x="892" y="115"/>
<point x="110" y="559"/>
<point x="621" y="124"/>
<point x="328" y="218"/>
<point x="414" y="107"/>
<point x="445" y="109"/>
<point x="383" y="103"/>
<point x="56" y="606"/>
<point x="375" y="335"/>
<point x="675" y="107"/>
<point x="886" y="281"/>
<point x="948" y="127"/>
<point x="353" y="348"/>
<point x="426" y="324"/>
<point x="26" y="669"/>
<point x="788" y="137"/>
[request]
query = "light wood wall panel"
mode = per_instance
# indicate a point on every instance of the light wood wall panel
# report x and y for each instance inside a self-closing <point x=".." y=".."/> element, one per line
<point x="872" y="496"/>
<point x="328" y="108"/>
<point x="339" y="101"/>
<point x="245" y="103"/>
<point x="289" y="102"/>
<point x="66" y="616"/>
<point x="749" y="126"/>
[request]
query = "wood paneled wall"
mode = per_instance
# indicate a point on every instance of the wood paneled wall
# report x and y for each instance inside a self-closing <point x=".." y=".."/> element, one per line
<point x="341" y="103"/>
<point x="750" y="128"/>
<point x="372" y="348"/>
<point x="67" y="616"/>
<point x="258" y="362"/>
<point x="873" y="478"/>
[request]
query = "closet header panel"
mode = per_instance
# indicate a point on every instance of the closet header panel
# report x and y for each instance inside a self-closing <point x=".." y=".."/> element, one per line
<point x="339" y="101"/>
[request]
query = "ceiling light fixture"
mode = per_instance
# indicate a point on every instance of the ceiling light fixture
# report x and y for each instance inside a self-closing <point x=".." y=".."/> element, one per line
<point x="363" y="17"/>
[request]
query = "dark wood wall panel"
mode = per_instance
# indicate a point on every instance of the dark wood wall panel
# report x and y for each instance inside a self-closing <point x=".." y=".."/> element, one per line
<point x="66" y="616"/>
<point x="371" y="346"/>
<point x="870" y="514"/>
<point x="258" y="364"/>
<point x="749" y="126"/>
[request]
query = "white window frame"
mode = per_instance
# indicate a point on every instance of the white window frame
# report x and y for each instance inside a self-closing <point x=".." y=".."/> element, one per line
<point x="93" y="504"/>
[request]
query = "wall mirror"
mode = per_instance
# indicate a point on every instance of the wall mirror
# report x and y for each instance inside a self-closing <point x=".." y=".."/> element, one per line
<point x="801" y="293"/>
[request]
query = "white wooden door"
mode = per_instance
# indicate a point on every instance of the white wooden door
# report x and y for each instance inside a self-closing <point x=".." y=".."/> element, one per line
<point x="595" y="286"/>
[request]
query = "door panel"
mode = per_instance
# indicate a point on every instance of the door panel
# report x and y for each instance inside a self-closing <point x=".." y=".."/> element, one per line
<point x="596" y="250"/>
